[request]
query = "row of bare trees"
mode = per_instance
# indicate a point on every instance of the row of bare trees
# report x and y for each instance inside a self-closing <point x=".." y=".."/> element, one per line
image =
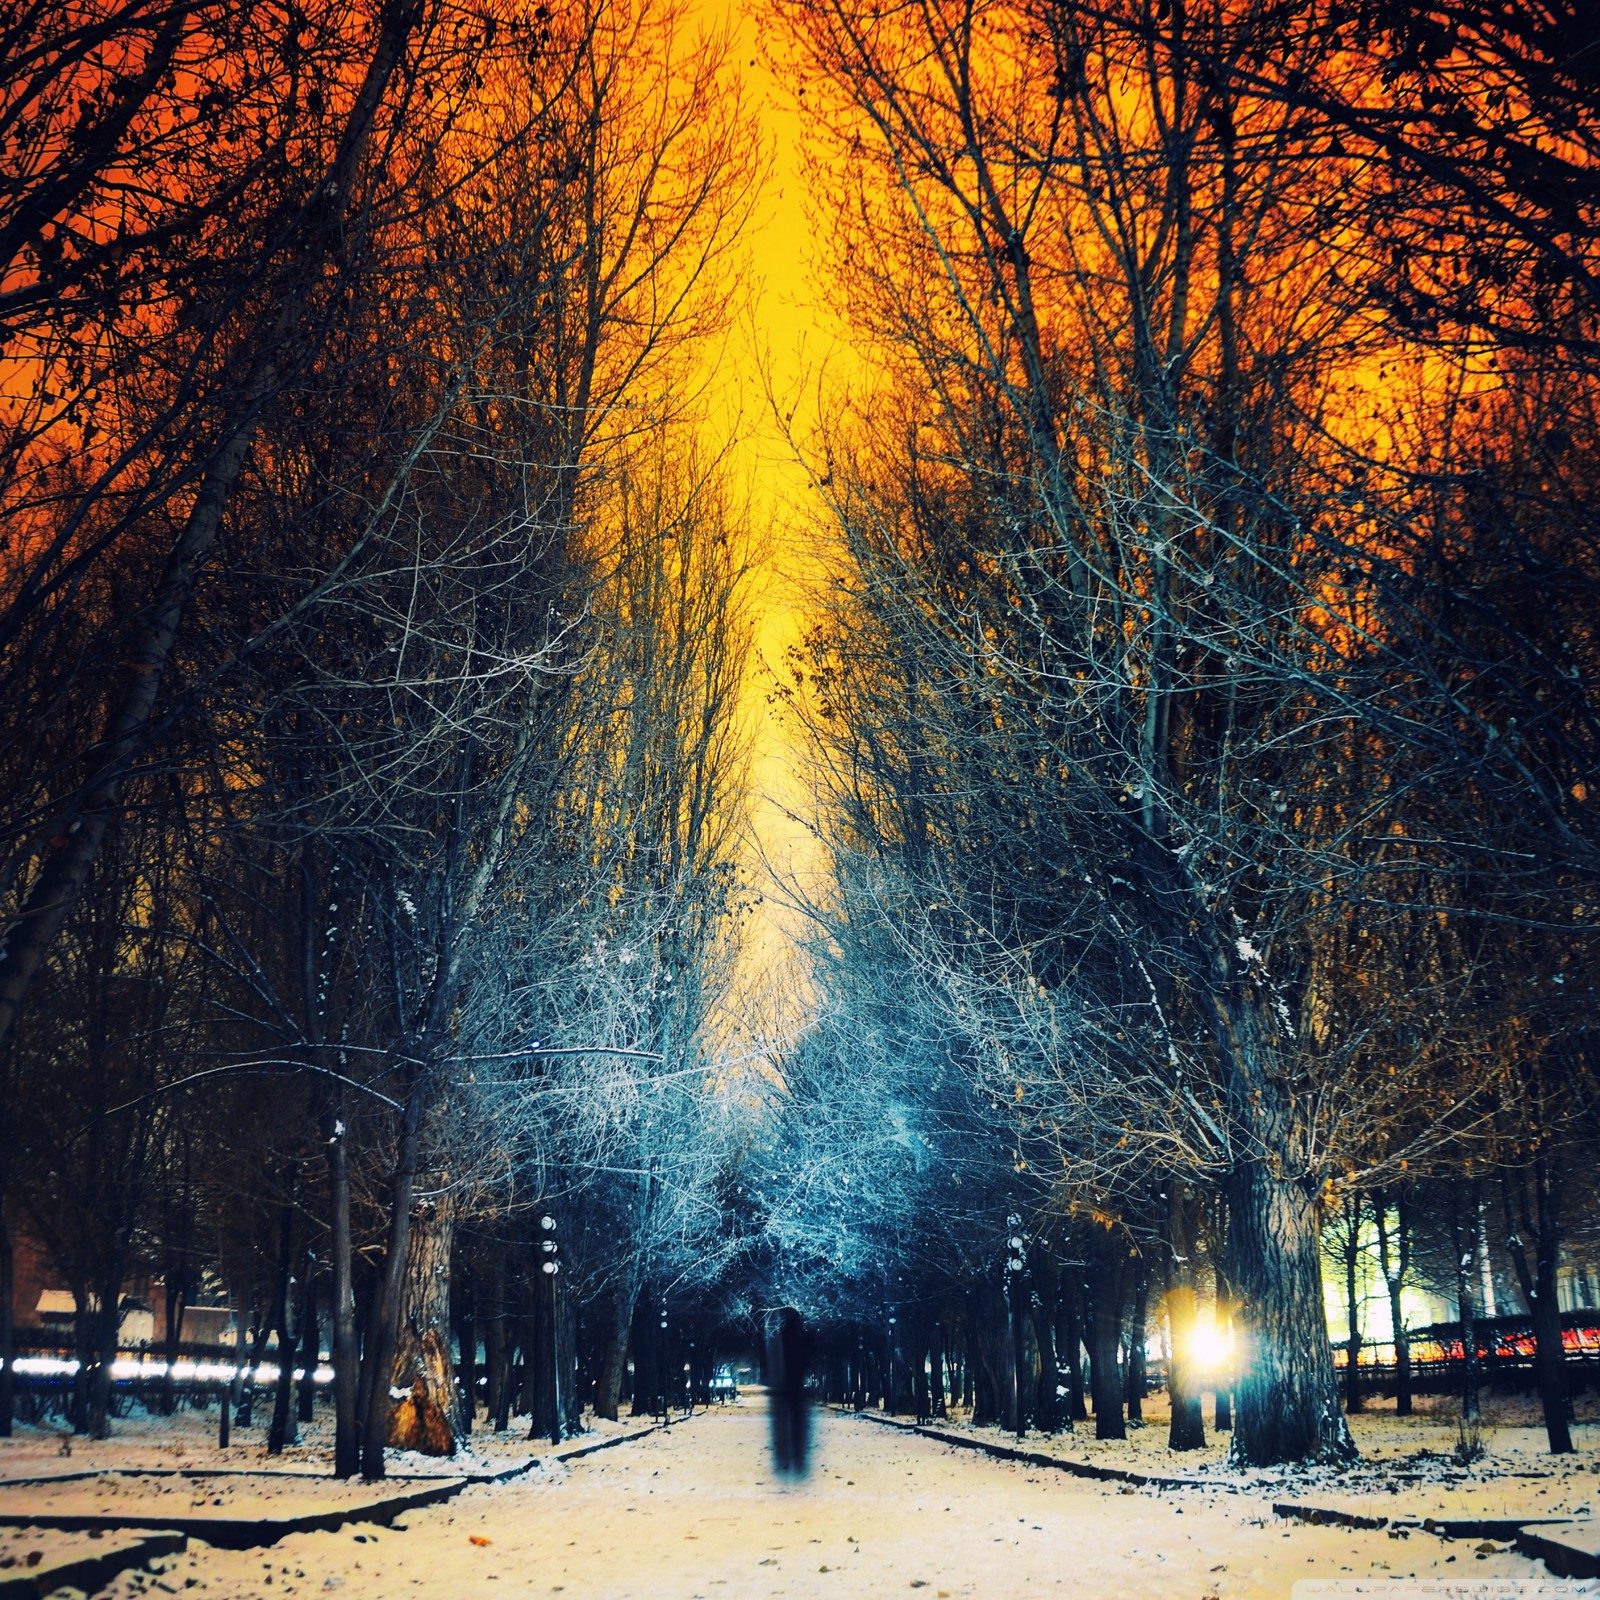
<point x="1204" y="699"/>
<point x="372" y="634"/>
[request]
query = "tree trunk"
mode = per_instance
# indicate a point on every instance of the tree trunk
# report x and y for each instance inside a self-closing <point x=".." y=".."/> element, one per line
<point x="1463" y="1237"/>
<point x="345" y="1356"/>
<point x="1222" y="1417"/>
<point x="8" y="1326"/>
<point x="645" y="1399"/>
<point x="1134" y="1385"/>
<point x="385" y="1320"/>
<point x="281" y="1430"/>
<point x="995" y="1392"/>
<point x="1019" y="1304"/>
<point x="108" y="1323"/>
<point x="496" y="1356"/>
<point x="1539" y="1289"/>
<point x="1352" y="1305"/>
<point x="569" y="1390"/>
<point x="1187" y="1429"/>
<point x="1107" y="1258"/>
<point x="663" y="1385"/>
<point x="425" y="1420"/>
<point x="1069" y="1344"/>
<point x="899" y="1403"/>
<point x="618" y="1318"/>
<point x="506" y="1397"/>
<point x="588" y="1341"/>
<point x="225" y="1407"/>
<point x="1402" y="1353"/>
<point x="1046" y="1401"/>
<point x="278" y="1428"/>
<point x="920" y="1392"/>
<point x="532" y="1379"/>
<point x="1394" y="1257"/>
<point x="176" y="1307"/>
<point x="1287" y="1393"/>
<point x="1550" y="1366"/>
<point x="83" y="1339"/>
<point x="310" y="1345"/>
<point x="464" y="1312"/>
<point x="244" y="1382"/>
<point x="541" y="1344"/>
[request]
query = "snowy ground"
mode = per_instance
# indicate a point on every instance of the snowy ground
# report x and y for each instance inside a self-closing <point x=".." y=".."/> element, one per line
<point x="23" y="1549"/>
<point x="187" y="1441"/>
<point x="1409" y="1461"/>
<point x="695" y="1512"/>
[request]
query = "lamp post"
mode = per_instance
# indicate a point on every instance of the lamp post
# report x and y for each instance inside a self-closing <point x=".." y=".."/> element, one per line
<point x="549" y="1267"/>
<point x="1016" y="1283"/>
<point x="861" y="1369"/>
<point x="661" y="1367"/>
<point x="888" y="1372"/>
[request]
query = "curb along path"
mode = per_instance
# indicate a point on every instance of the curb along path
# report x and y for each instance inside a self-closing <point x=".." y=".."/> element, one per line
<point x="1038" y="1458"/>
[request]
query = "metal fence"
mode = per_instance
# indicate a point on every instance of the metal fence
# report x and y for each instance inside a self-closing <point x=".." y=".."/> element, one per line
<point x="1505" y="1353"/>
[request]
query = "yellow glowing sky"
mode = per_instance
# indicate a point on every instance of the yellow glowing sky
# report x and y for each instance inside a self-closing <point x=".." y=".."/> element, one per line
<point x="783" y="341"/>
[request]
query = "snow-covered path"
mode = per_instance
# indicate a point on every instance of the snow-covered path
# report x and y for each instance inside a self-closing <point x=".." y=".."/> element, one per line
<point x="695" y="1511"/>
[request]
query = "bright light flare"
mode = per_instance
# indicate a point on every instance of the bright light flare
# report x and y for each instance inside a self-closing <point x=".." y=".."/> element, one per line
<point x="1210" y="1347"/>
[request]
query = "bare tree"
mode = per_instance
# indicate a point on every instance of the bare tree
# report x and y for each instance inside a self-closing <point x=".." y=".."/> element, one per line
<point x="401" y="643"/>
<point x="96" y="229"/>
<point x="1113" y="501"/>
<point x="116" y="1024"/>
<point x="625" y="926"/>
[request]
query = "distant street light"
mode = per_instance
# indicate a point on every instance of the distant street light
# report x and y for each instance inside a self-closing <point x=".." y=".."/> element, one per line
<point x="661" y="1369"/>
<point x="549" y="1266"/>
<point x="1017" y="1293"/>
<point x="888" y="1383"/>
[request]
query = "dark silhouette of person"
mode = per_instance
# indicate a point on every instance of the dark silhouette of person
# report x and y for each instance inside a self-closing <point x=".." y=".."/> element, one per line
<point x="788" y="1355"/>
